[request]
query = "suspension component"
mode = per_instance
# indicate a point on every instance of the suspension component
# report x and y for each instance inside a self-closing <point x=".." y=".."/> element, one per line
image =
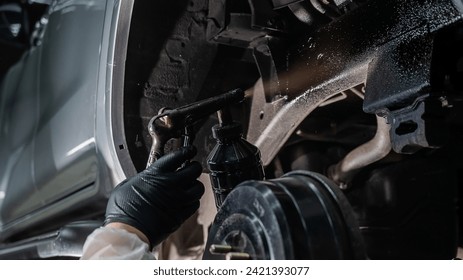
<point x="364" y="155"/>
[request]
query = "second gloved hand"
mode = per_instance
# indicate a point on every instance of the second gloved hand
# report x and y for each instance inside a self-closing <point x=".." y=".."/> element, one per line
<point x="159" y="199"/>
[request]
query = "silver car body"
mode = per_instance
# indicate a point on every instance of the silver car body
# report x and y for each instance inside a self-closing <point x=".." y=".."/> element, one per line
<point x="57" y="112"/>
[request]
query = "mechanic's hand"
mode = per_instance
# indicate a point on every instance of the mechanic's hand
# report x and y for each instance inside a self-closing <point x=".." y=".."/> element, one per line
<point x="159" y="199"/>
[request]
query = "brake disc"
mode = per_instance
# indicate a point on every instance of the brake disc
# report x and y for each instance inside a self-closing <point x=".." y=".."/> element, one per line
<point x="302" y="215"/>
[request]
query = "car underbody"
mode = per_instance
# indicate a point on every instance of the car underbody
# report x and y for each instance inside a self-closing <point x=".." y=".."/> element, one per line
<point x="364" y="92"/>
<point x="356" y="103"/>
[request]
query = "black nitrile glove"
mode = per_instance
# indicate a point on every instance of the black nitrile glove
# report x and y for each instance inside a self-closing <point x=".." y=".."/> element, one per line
<point x="159" y="199"/>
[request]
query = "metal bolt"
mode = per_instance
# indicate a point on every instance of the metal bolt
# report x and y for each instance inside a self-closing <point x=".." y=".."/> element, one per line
<point x="217" y="249"/>
<point x="237" y="256"/>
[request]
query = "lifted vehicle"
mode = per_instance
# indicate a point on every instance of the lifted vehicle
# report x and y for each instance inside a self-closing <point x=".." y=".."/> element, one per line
<point x="355" y="106"/>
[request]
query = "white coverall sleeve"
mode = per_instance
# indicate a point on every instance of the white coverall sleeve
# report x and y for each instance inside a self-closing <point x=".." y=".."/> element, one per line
<point x="107" y="243"/>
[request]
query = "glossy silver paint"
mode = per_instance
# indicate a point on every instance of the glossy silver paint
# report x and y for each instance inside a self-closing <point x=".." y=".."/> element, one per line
<point x="56" y="146"/>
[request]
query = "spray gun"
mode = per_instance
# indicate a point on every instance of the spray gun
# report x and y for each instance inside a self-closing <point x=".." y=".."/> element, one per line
<point x="176" y="123"/>
<point x="232" y="160"/>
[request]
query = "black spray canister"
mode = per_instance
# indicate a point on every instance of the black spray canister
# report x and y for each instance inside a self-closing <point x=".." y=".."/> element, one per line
<point x="233" y="159"/>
